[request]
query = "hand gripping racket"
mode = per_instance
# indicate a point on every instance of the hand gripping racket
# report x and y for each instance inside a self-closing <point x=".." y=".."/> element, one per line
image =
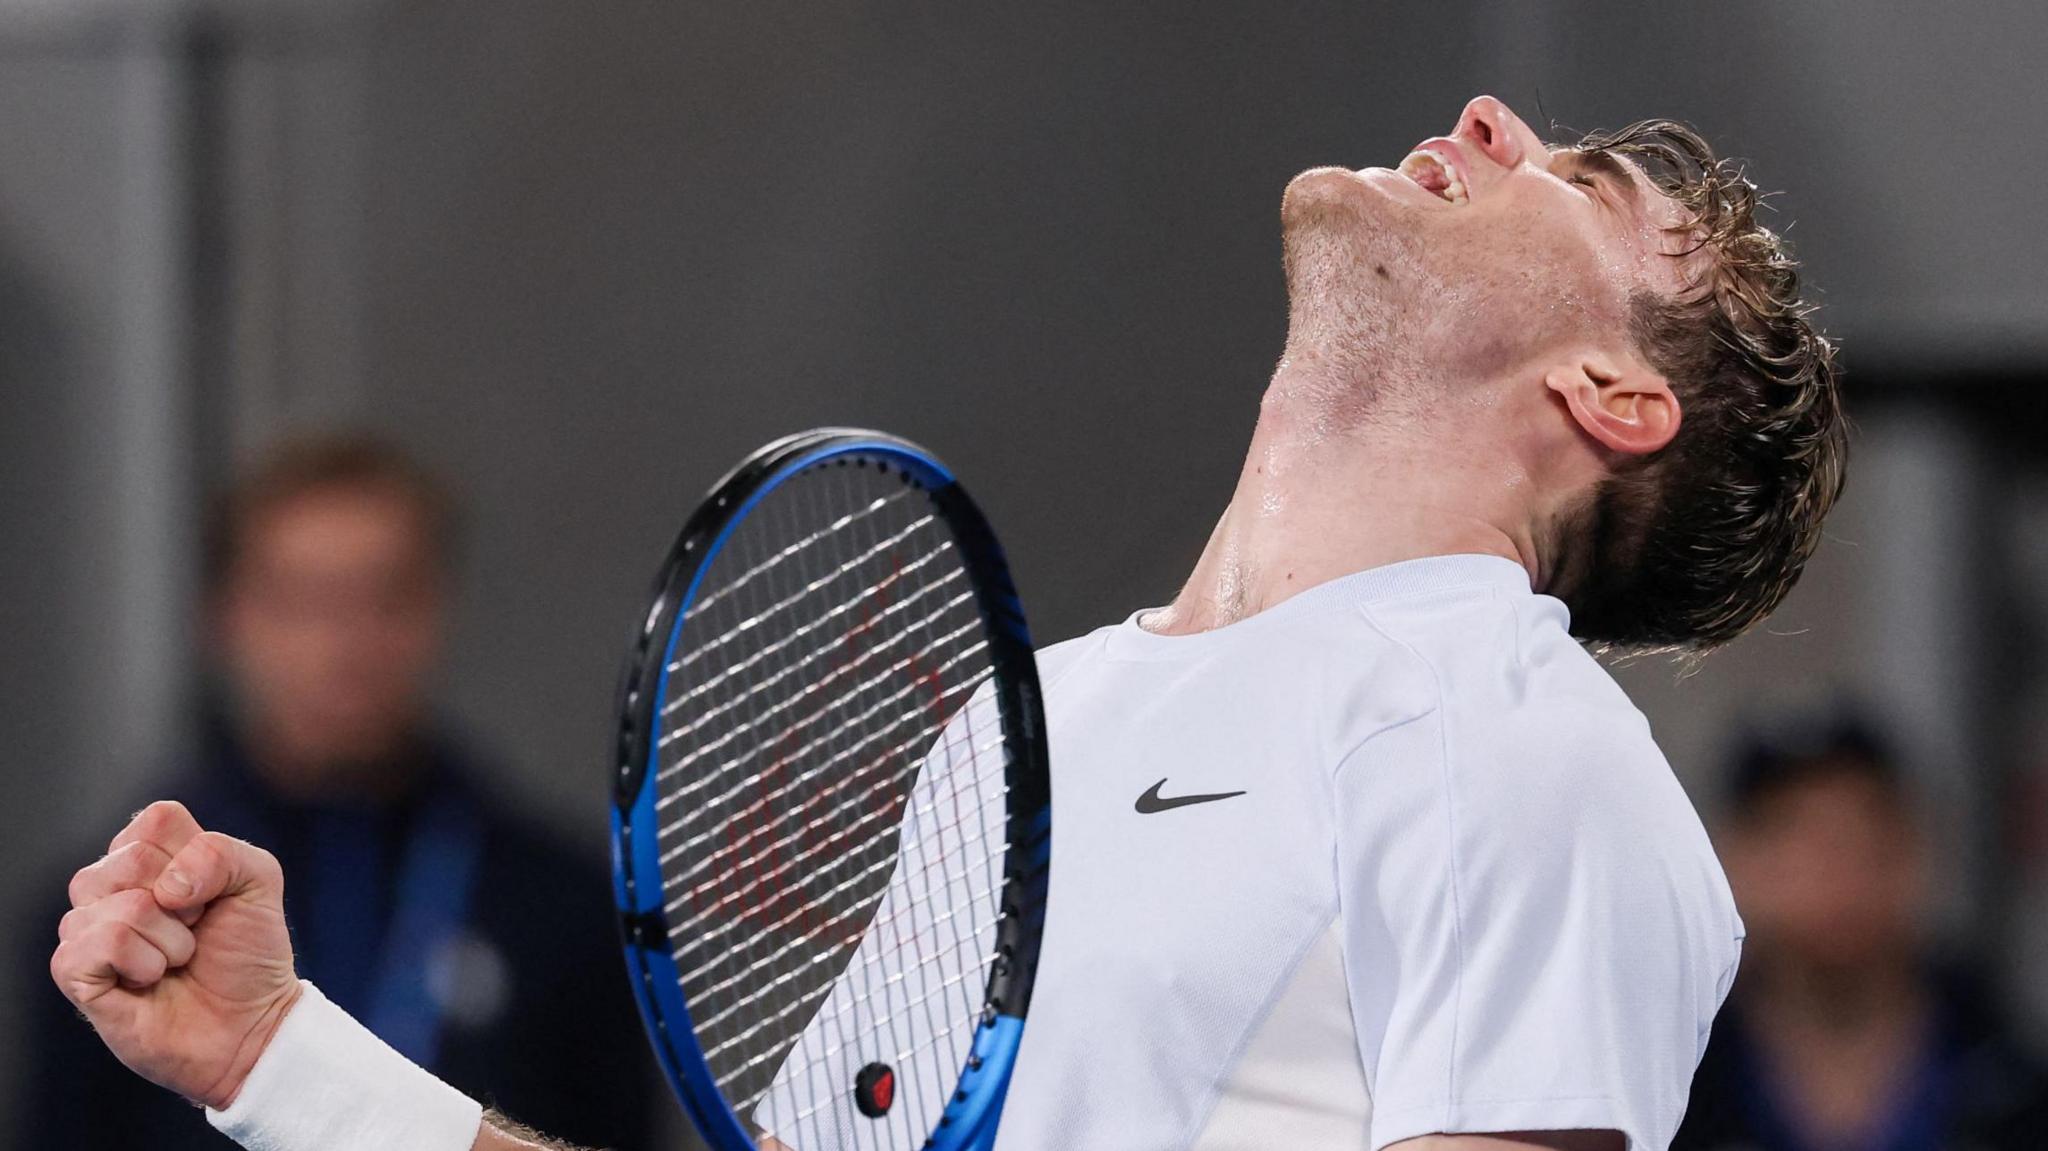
<point x="832" y="820"/>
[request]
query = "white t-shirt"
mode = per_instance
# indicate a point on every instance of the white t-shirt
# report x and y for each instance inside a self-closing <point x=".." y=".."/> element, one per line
<point x="1439" y="879"/>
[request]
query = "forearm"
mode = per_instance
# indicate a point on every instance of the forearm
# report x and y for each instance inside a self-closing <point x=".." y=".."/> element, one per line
<point x="1517" y="1141"/>
<point x="501" y="1134"/>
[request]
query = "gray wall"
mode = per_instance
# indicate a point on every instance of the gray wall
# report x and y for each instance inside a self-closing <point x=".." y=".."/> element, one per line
<point x="582" y="256"/>
<point x="609" y="250"/>
<point x="93" y="482"/>
<point x="96" y="495"/>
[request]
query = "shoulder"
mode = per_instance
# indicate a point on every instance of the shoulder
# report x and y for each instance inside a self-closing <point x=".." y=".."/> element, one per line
<point x="1055" y="660"/>
<point x="1547" y="768"/>
<point x="1529" y="715"/>
<point x="1567" y="763"/>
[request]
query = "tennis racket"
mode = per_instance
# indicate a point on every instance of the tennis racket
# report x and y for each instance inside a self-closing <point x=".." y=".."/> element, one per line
<point x="832" y="820"/>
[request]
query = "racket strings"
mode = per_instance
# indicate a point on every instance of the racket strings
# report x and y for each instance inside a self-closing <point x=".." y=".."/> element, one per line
<point x="711" y="990"/>
<point x="913" y="985"/>
<point x="792" y="781"/>
<point x="826" y="710"/>
<point x="808" y="840"/>
<point x="949" y="985"/>
<point x="786" y="870"/>
<point x="949" y="1017"/>
<point x="847" y="567"/>
<point x="774" y="994"/>
<point x="832" y="649"/>
<point x="810" y="540"/>
<point x="965" y="839"/>
<point x="942" y="992"/>
<point x="803" y="632"/>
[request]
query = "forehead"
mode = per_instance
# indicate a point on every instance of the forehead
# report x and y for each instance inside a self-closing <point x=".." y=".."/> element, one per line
<point x="340" y="520"/>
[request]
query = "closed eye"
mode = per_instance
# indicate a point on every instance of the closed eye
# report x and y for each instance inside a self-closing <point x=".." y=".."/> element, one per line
<point x="1602" y="175"/>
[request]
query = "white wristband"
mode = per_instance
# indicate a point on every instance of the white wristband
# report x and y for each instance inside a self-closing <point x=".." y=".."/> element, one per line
<point x="326" y="1083"/>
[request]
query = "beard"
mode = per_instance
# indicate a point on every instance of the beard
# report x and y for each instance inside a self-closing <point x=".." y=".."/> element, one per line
<point x="1411" y="304"/>
<point x="1353" y="269"/>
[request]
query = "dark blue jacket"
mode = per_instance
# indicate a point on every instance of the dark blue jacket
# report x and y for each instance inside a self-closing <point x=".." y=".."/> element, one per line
<point x="1974" y="1087"/>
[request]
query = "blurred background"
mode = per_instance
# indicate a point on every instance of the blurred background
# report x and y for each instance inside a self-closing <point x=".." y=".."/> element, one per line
<point x="576" y="259"/>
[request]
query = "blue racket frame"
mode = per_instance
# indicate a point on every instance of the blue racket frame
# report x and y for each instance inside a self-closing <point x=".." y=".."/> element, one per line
<point x="970" y="1118"/>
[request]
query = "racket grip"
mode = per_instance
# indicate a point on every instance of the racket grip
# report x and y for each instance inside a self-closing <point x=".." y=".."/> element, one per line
<point x="326" y="1083"/>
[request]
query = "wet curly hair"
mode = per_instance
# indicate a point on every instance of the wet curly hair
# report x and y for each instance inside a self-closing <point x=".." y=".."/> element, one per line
<point x="1687" y="548"/>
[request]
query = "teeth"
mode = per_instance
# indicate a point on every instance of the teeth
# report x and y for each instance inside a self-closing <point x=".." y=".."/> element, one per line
<point x="1412" y="167"/>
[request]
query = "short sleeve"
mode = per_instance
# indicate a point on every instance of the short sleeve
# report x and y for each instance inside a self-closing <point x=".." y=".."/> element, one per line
<point x="1537" y="932"/>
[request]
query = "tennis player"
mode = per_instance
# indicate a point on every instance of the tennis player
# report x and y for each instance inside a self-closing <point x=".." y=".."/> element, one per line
<point x="1357" y="845"/>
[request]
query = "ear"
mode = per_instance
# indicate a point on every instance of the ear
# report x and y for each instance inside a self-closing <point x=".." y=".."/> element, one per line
<point x="1622" y="403"/>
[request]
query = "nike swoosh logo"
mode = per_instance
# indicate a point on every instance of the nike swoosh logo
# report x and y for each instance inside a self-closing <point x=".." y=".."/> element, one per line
<point x="1151" y="803"/>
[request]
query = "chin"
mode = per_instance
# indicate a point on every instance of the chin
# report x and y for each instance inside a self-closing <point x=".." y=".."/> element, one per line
<point x="1337" y="225"/>
<point x="1343" y="214"/>
<point x="1372" y="197"/>
<point x="1318" y="192"/>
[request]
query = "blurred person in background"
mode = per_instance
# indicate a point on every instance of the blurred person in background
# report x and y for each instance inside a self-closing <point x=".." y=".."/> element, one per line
<point x="413" y="892"/>
<point x="1843" y="1033"/>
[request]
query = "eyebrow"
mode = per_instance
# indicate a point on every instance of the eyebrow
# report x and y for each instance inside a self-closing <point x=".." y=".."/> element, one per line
<point x="1605" y="164"/>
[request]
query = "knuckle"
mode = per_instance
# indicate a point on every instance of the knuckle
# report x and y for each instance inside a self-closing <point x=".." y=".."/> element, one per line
<point x="224" y="851"/>
<point x="266" y="866"/>
<point x="95" y="946"/>
<point x="157" y="820"/>
<point x="121" y="869"/>
<point x="131" y="905"/>
<point x="204" y="854"/>
<point x="165" y="813"/>
<point x="133" y="859"/>
<point x="142" y="956"/>
<point x="180" y="947"/>
<point x="80" y="888"/>
<point x="126" y="948"/>
<point x="100" y="937"/>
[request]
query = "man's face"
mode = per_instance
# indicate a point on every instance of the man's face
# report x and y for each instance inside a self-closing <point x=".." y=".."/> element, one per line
<point x="1483" y="251"/>
<point x="1827" y="870"/>
<point x="330" y="623"/>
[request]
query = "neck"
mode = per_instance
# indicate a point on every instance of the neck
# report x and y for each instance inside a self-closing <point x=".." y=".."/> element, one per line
<point x="1797" y="998"/>
<point x="306" y="776"/>
<point x="1328" y="490"/>
<point x="1841" y="1041"/>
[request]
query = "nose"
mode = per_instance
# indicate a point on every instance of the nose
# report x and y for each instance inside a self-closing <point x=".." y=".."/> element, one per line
<point x="1494" y="129"/>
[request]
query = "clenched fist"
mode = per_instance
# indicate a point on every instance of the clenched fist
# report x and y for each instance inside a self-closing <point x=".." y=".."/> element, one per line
<point x="175" y="949"/>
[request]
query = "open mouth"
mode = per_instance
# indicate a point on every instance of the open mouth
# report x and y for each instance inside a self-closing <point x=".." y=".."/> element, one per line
<point x="1434" y="175"/>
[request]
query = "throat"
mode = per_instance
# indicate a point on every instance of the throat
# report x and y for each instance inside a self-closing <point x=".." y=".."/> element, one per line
<point x="1259" y="558"/>
<point x="1216" y="595"/>
<point x="1327" y="491"/>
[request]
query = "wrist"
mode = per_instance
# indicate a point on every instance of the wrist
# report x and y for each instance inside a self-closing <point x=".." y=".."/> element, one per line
<point x="323" y="1082"/>
<point x="253" y="1045"/>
